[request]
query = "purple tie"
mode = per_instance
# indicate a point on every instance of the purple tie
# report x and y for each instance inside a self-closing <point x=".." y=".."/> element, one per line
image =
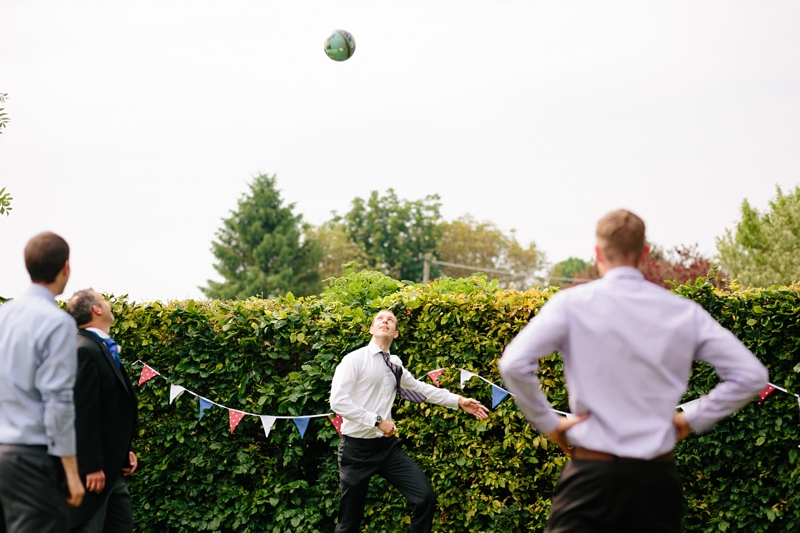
<point x="397" y="370"/>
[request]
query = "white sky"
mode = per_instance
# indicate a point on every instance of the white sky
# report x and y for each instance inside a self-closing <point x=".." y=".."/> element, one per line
<point x="137" y="125"/>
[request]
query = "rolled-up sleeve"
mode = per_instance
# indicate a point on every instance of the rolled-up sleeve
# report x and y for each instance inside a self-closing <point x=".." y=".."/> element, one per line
<point x="544" y="335"/>
<point x="55" y="381"/>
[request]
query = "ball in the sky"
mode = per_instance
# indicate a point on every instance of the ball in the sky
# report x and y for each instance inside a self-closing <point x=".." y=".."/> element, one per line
<point x="340" y="46"/>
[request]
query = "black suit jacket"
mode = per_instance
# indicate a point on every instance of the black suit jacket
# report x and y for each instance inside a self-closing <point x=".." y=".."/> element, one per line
<point x="105" y="419"/>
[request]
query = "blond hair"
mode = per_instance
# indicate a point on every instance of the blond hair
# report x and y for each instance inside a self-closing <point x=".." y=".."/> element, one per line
<point x="620" y="236"/>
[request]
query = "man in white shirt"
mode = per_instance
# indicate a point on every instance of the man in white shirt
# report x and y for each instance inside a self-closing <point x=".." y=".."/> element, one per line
<point x="628" y="347"/>
<point x="363" y="390"/>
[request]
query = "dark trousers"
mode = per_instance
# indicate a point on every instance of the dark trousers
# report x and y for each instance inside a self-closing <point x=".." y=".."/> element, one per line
<point x="618" y="497"/>
<point x="33" y="491"/>
<point x="359" y="460"/>
<point x="114" y="516"/>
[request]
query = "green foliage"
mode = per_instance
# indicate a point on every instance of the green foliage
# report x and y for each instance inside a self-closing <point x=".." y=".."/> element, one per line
<point x="261" y="250"/>
<point x="466" y="241"/>
<point x="571" y="267"/>
<point x="5" y="202"/>
<point x="395" y="234"/>
<point x="3" y="115"/>
<point x="765" y="249"/>
<point x="277" y="357"/>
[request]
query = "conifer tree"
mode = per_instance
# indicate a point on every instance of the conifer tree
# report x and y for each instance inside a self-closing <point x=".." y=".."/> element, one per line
<point x="261" y="249"/>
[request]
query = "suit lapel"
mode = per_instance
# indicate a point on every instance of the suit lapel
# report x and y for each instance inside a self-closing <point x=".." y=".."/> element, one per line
<point x="110" y="360"/>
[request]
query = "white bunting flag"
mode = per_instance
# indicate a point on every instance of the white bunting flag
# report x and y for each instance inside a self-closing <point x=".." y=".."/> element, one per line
<point x="689" y="407"/>
<point x="466" y="376"/>
<point x="267" y="422"/>
<point x="174" y="392"/>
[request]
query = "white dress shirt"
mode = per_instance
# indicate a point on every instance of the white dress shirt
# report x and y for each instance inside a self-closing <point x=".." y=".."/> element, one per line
<point x="628" y="347"/>
<point x="38" y="364"/>
<point x="363" y="387"/>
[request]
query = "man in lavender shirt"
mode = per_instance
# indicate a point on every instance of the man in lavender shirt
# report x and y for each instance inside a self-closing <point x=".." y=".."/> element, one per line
<point x="628" y="347"/>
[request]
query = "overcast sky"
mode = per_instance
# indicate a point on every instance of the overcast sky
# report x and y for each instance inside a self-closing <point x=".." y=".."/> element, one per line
<point x="136" y="126"/>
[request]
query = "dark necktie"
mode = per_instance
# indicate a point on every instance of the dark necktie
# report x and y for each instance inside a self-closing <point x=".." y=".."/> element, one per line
<point x="397" y="370"/>
<point x="114" y="349"/>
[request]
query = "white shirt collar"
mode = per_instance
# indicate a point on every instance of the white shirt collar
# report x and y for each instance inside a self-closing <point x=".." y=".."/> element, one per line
<point x="624" y="272"/>
<point x="373" y="348"/>
<point x="99" y="332"/>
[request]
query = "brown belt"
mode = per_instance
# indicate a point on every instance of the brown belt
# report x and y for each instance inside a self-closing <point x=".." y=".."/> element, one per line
<point x="585" y="454"/>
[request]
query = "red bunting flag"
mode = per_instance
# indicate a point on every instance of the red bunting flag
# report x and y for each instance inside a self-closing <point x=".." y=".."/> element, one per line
<point x="337" y="423"/>
<point x="235" y="417"/>
<point x="435" y="374"/>
<point x="147" y="373"/>
<point x="764" y="393"/>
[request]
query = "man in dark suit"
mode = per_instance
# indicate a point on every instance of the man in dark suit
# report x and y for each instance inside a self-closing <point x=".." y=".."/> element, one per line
<point x="105" y="420"/>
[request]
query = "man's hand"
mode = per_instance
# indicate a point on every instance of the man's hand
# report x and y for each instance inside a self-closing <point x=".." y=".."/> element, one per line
<point x="96" y="481"/>
<point x="133" y="462"/>
<point x="559" y="436"/>
<point x="74" y="485"/>
<point x="681" y="426"/>
<point x="473" y="407"/>
<point x="387" y="427"/>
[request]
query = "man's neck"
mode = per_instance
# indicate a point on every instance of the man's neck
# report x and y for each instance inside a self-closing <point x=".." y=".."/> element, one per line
<point x="55" y="288"/>
<point x="384" y="345"/>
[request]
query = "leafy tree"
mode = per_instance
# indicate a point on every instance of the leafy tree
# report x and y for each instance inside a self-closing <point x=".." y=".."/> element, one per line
<point x="261" y="249"/>
<point x="571" y="267"/>
<point x="5" y="202"/>
<point x="3" y="116"/>
<point x="395" y="234"/>
<point x="466" y="241"/>
<point x="666" y="268"/>
<point x="337" y="249"/>
<point x="764" y="250"/>
<point x="5" y="198"/>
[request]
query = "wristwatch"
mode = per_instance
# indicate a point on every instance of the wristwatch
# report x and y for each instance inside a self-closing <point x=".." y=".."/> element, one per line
<point x="378" y="421"/>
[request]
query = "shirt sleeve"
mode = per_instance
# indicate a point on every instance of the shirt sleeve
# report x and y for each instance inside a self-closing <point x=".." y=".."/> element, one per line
<point x="55" y="379"/>
<point x="545" y="334"/>
<point x="432" y="394"/>
<point x="742" y="375"/>
<point x="345" y="376"/>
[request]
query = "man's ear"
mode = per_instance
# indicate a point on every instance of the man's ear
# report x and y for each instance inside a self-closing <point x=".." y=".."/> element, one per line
<point x="645" y="254"/>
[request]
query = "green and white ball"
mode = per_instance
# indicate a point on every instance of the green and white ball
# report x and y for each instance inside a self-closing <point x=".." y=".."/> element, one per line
<point x="340" y="46"/>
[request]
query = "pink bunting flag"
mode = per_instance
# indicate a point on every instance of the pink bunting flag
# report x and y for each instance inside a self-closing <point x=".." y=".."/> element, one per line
<point x="235" y="417"/>
<point x="337" y="423"/>
<point x="434" y="374"/>
<point x="764" y="393"/>
<point x="147" y="373"/>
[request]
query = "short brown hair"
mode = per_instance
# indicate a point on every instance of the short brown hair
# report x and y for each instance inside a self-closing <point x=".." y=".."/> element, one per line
<point x="81" y="304"/>
<point x="45" y="256"/>
<point x="620" y="235"/>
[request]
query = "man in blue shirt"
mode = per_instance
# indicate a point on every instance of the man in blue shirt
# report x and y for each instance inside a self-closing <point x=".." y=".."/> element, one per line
<point x="38" y="363"/>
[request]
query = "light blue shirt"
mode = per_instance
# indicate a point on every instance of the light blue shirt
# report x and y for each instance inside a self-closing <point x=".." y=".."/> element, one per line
<point x="628" y="347"/>
<point x="38" y="363"/>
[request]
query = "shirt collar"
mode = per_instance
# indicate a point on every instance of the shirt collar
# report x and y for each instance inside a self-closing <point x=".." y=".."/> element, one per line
<point x="624" y="272"/>
<point x="99" y="332"/>
<point x="373" y="348"/>
<point x="39" y="291"/>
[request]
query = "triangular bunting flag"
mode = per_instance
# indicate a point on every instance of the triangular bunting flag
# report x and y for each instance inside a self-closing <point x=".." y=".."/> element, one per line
<point x="337" y="423"/>
<point x="434" y="374"/>
<point x="302" y="425"/>
<point x="498" y="395"/>
<point x="147" y="373"/>
<point x="204" y="404"/>
<point x="764" y="393"/>
<point x="234" y="417"/>
<point x="466" y="376"/>
<point x="267" y="422"/>
<point x="174" y="392"/>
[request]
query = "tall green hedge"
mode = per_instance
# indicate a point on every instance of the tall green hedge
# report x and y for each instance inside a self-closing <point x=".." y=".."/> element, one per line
<point x="277" y="357"/>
